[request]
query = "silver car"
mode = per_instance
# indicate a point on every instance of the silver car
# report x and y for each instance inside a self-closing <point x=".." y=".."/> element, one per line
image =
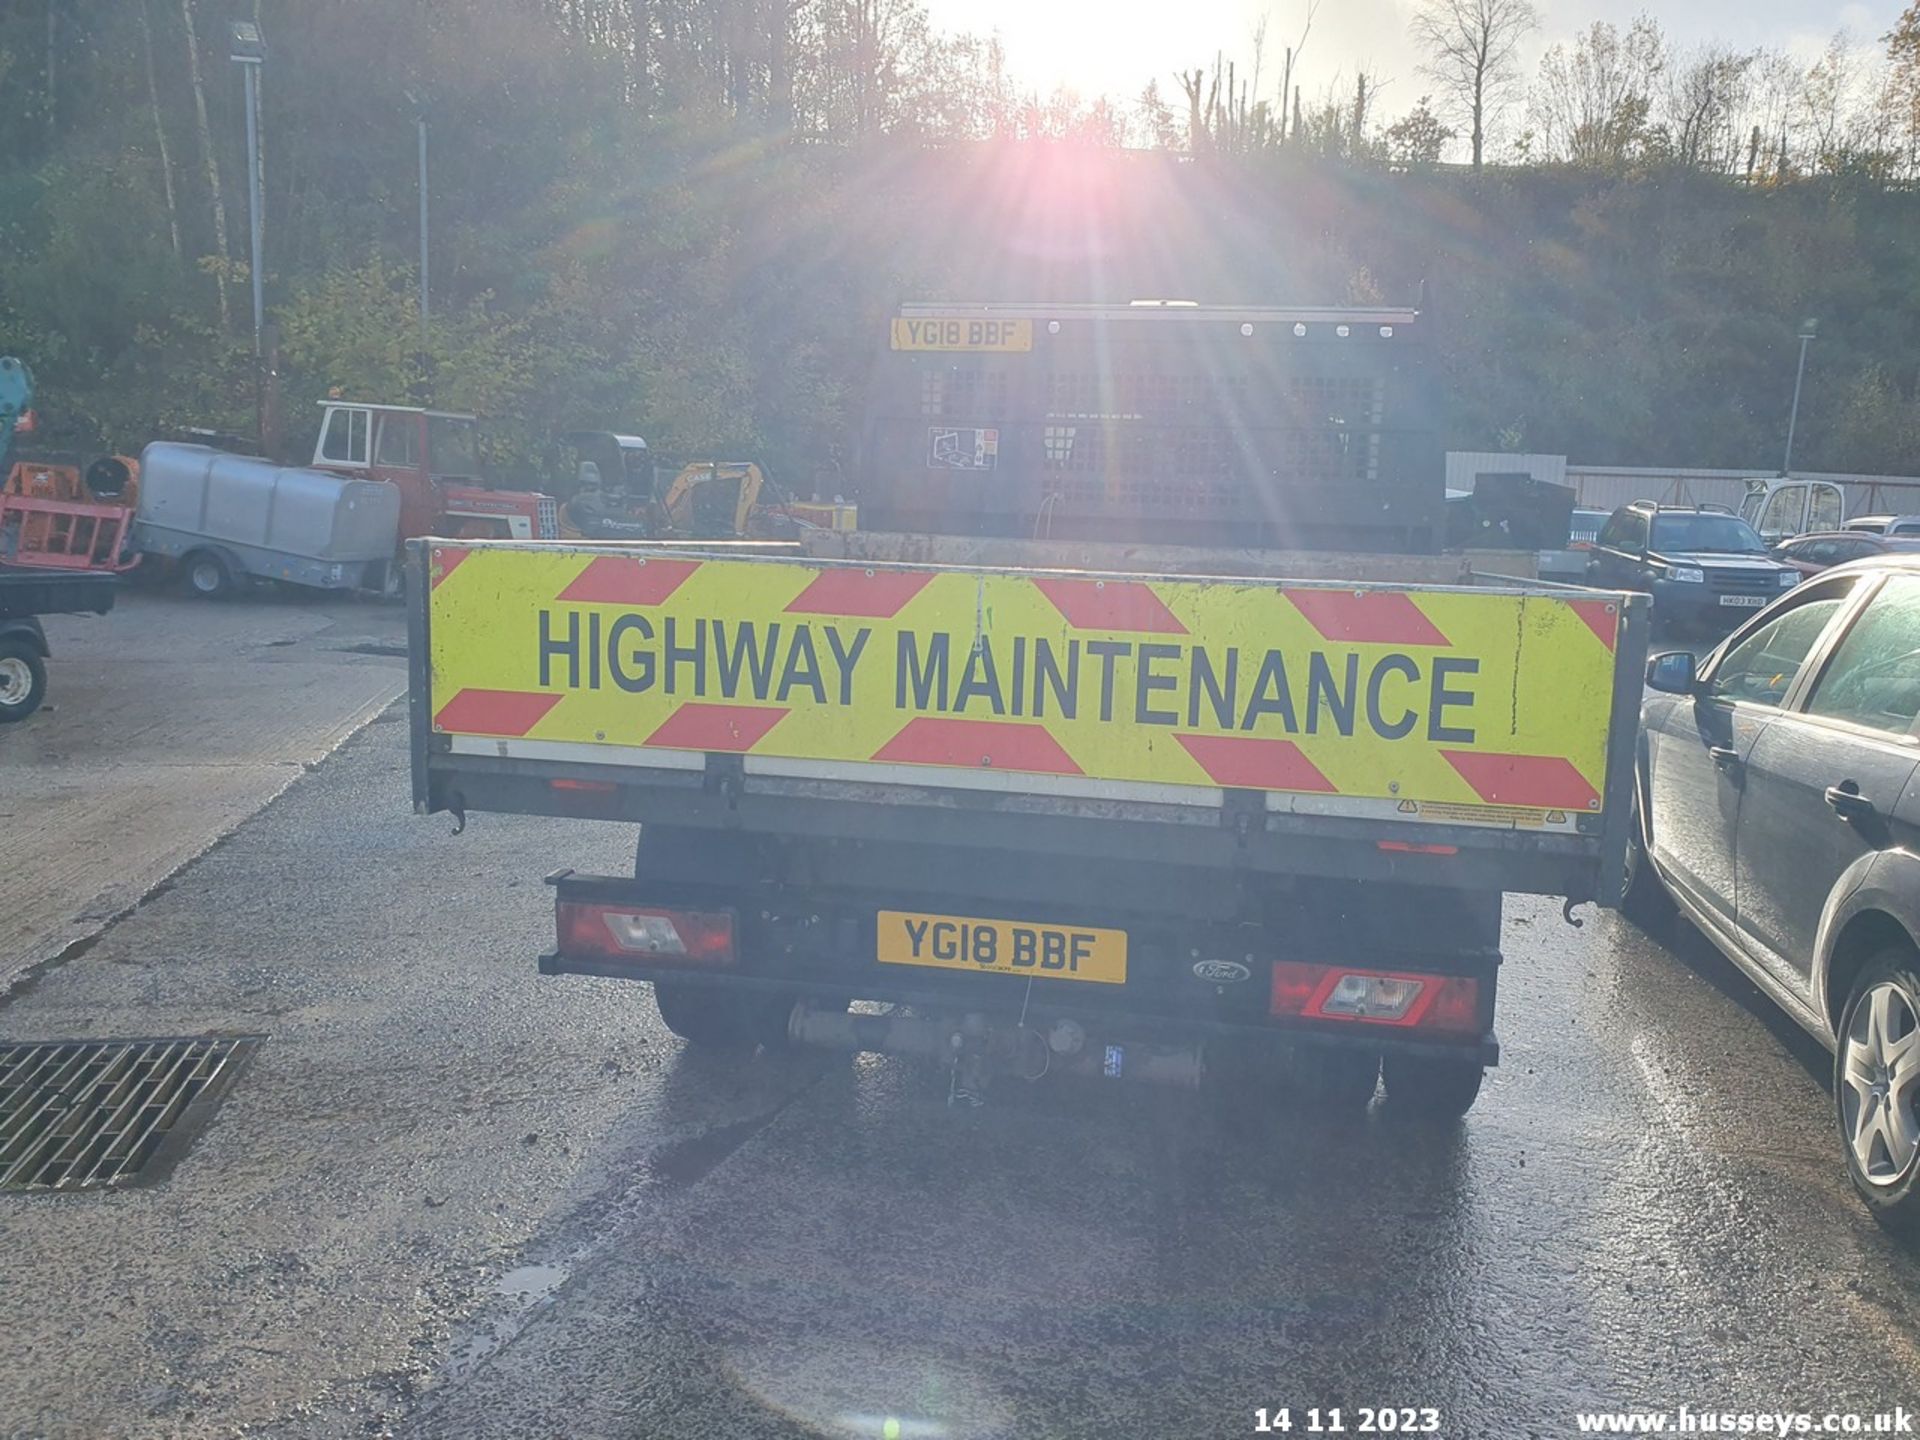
<point x="1779" y="809"/>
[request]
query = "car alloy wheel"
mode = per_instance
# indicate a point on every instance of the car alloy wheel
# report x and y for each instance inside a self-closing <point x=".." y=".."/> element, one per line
<point x="1880" y="1073"/>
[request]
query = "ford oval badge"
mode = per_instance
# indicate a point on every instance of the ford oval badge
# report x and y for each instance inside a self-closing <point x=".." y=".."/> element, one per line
<point x="1221" y="972"/>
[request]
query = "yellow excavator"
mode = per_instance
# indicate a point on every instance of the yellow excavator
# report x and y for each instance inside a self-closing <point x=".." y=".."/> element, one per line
<point x="616" y="497"/>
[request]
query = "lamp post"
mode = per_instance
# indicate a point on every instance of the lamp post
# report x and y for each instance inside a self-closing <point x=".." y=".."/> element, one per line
<point x="1793" y="415"/>
<point x="420" y="118"/>
<point x="249" y="52"/>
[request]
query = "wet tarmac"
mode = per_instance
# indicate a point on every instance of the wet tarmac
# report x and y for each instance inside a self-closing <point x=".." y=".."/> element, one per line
<point x="452" y="1198"/>
<point x="168" y="721"/>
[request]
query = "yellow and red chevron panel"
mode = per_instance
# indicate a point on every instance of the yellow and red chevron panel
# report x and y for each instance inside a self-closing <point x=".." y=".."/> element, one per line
<point x="1458" y="697"/>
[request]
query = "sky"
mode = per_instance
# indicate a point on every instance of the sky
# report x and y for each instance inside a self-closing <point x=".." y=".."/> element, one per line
<point x="1114" y="47"/>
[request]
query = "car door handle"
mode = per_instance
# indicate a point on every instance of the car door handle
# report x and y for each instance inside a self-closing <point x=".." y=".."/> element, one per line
<point x="1848" y="803"/>
<point x="1725" y="756"/>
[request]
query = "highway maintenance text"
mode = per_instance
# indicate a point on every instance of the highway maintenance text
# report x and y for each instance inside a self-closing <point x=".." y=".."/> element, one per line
<point x="1393" y="695"/>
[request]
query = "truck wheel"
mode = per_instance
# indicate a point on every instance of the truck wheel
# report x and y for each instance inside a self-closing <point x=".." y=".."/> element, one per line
<point x="1643" y="894"/>
<point x="1876" y="1088"/>
<point x="717" y="1019"/>
<point x="1420" y="1087"/>
<point x="207" y="575"/>
<point x="23" y="680"/>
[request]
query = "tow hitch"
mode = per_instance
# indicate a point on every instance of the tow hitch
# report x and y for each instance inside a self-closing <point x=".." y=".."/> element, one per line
<point x="980" y="1048"/>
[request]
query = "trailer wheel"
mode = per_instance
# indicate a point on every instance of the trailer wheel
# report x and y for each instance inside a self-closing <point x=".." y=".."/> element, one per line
<point x="715" y="1018"/>
<point x="1420" y="1087"/>
<point x="23" y="680"/>
<point x="207" y="575"/>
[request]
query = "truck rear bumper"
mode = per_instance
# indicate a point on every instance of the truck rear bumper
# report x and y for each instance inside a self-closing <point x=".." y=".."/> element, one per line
<point x="1182" y="980"/>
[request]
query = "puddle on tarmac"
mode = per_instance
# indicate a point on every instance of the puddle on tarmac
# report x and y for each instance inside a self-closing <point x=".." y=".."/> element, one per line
<point x="516" y="1295"/>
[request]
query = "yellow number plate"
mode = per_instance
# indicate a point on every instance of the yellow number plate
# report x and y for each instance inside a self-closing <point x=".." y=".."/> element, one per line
<point x="961" y="332"/>
<point x="1004" y="947"/>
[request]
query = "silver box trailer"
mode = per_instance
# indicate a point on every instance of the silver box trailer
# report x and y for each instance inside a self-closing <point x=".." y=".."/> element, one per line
<point x="236" y="516"/>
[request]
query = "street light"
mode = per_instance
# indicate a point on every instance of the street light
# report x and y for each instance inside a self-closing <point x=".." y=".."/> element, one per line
<point x="420" y="116"/>
<point x="249" y="52"/>
<point x="1793" y="415"/>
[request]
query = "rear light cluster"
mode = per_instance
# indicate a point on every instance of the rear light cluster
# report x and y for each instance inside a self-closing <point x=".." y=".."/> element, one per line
<point x="1377" y="997"/>
<point x="644" y="933"/>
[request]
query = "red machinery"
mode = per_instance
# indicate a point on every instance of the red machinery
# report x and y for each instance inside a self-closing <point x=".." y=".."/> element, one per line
<point x="55" y="514"/>
<point x="432" y="458"/>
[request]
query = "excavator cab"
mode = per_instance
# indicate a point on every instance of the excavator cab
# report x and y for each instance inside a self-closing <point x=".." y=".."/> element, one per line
<point x="608" y="487"/>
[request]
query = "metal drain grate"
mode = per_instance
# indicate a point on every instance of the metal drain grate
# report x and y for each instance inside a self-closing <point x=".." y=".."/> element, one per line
<point x="77" y="1114"/>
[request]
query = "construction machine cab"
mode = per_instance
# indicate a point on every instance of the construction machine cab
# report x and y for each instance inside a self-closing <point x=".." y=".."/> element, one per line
<point x="432" y="457"/>
<point x="16" y="400"/>
<point x="622" y="463"/>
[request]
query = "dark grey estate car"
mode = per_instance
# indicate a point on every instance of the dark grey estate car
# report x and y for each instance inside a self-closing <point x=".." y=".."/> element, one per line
<point x="1706" y="570"/>
<point x="1780" y="809"/>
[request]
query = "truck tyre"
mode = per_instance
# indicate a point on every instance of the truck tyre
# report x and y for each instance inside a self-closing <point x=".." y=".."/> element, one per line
<point x="1420" y="1087"/>
<point x="718" y="1019"/>
<point x="23" y="680"/>
<point x="1876" y="1088"/>
<point x="1643" y="894"/>
<point x="207" y="575"/>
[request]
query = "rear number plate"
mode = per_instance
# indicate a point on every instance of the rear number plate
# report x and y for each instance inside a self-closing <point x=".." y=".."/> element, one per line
<point x="1745" y="602"/>
<point x="1003" y="947"/>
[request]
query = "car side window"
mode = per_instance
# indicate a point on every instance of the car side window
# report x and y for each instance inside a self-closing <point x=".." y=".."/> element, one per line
<point x="1629" y="529"/>
<point x="1818" y="552"/>
<point x="1874" y="676"/>
<point x="1761" y="669"/>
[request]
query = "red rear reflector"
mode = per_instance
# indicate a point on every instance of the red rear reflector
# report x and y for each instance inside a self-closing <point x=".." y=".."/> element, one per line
<point x="1293" y="987"/>
<point x="1375" y="997"/>
<point x="584" y="787"/>
<point x="1409" y="847"/>
<point x="645" y="932"/>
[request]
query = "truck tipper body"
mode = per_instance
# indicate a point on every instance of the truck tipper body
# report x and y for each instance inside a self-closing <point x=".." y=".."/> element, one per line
<point x="1068" y="803"/>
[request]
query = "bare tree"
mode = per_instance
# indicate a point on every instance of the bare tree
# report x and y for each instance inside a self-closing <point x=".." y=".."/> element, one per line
<point x="160" y="132"/>
<point x="1471" y="49"/>
<point x="1259" y="38"/>
<point x="1703" y="107"/>
<point x="1768" y="107"/>
<point x="1592" y="104"/>
<point x="1287" y="69"/>
<point x="1153" y="120"/>
<point x="780" y="64"/>
<point x="208" y="160"/>
<point x="1902" y="97"/>
<point x="1836" y="118"/>
<point x="1823" y="98"/>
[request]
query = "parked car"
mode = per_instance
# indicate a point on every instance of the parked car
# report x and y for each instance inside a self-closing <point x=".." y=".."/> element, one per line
<point x="1706" y="569"/>
<point x="1886" y="524"/>
<point x="1810" y="554"/>
<point x="1776" y="804"/>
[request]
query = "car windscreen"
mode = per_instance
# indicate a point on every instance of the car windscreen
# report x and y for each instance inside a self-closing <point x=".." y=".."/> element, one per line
<point x="1706" y="533"/>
